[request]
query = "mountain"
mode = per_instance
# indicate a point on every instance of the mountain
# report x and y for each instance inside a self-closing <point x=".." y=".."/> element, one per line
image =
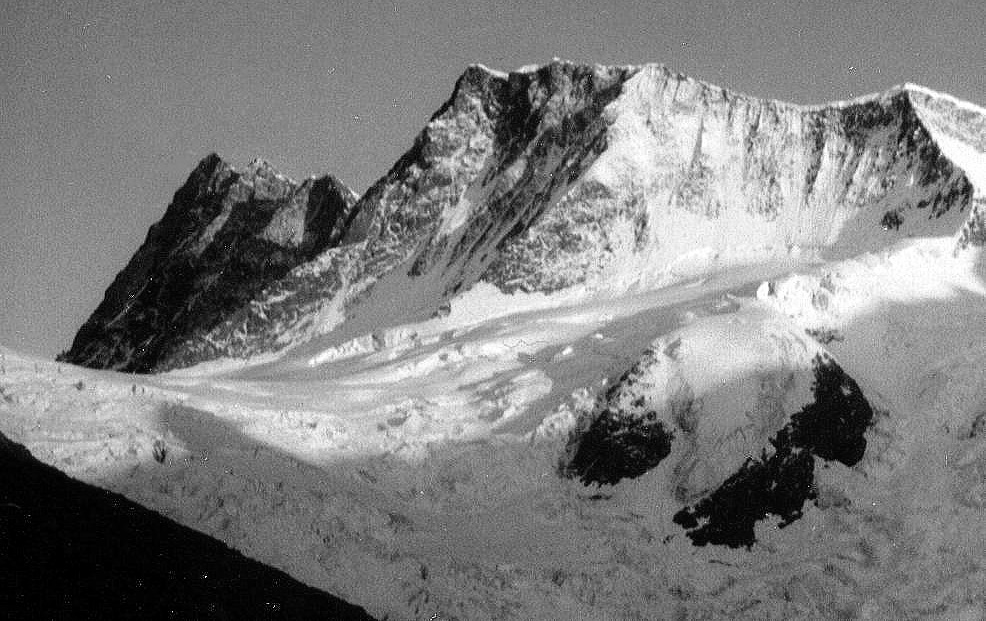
<point x="606" y="342"/>
<point x="560" y="177"/>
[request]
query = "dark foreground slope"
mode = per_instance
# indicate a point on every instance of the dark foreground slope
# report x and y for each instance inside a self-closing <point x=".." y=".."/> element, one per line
<point x="73" y="551"/>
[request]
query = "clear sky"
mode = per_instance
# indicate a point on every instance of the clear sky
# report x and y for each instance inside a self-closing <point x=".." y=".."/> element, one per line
<point x="106" y="106"/>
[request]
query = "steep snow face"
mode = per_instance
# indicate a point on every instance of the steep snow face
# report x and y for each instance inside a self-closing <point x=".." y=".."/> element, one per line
<point x="694" y="178"/>
<point x="592" y="179"/>
<point x="225" y="236"/>
<point x="959" y="129"/>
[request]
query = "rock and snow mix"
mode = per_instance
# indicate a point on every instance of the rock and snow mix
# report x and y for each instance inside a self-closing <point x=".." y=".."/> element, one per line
<point x="606" y="343"/>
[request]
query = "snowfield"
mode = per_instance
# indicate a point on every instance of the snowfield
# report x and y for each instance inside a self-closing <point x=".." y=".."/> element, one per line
<point x="415" y="472"/>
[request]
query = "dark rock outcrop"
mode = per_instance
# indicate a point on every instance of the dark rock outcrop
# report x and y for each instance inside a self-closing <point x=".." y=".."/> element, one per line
<point x="74" y="551"/>
<point x="613" y="449"/>
<point x="622" y="440"/>
<point x="780" y="481"/>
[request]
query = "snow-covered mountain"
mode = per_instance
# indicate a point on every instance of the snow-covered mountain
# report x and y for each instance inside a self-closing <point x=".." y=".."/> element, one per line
<point x="607" y="342"/>
<point x="560" y="177"/>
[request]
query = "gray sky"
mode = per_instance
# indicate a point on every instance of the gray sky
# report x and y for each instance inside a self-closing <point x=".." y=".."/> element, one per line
<point x="105" y="107"/>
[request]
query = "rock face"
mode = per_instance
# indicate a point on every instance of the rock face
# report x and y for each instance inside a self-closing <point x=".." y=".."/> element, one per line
<point x="563" y="176"/>
<point x="226" y="235"/>
<point x="735" y="441"/>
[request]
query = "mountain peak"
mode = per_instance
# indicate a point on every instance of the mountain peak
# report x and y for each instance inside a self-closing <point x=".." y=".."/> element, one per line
<point x="226" y="235"/>
<point x="210" y="161"/>
<point x="261" y="167"/>
<point x="484" y="69"/>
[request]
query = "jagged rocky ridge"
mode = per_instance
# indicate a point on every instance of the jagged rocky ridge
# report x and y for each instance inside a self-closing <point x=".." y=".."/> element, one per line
<point x="226" y="235"/>
<point x="550" y="178"/>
